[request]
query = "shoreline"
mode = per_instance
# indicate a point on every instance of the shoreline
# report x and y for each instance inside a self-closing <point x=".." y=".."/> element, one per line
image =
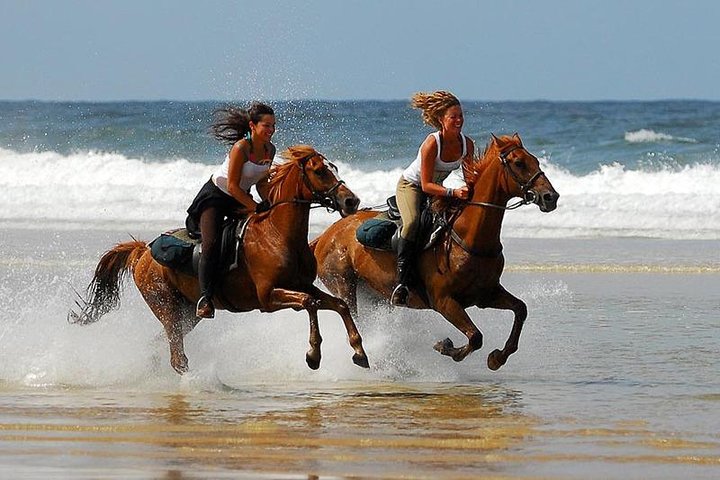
<point x="599" y="254"/>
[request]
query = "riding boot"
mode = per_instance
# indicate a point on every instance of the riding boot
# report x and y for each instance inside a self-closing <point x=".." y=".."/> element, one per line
<point x="405" y="268"/>
<point x="205" y="307"/>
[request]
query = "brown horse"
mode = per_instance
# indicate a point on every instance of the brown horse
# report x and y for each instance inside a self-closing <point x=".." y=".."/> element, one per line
<point x="277" y="269"/>
<point x="464" y="267"/>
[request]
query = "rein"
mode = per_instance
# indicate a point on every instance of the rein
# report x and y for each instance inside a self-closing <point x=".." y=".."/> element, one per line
<point x="515" y="205"/>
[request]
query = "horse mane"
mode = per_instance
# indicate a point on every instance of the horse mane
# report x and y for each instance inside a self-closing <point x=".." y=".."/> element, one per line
<point x="473" y="167"/>
<point x="281" y="172"/>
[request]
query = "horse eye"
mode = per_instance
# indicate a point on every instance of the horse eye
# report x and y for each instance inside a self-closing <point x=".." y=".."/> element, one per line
<point x="520" y="164"/>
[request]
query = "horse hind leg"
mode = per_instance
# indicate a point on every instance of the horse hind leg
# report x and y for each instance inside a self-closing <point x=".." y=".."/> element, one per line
<point x="173" y="311"/>
<point x="174" y="314"/>
<point x="344" y="285"/>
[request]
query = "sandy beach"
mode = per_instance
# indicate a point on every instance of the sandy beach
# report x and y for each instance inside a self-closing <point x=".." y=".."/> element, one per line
<point x="615" y="377"/>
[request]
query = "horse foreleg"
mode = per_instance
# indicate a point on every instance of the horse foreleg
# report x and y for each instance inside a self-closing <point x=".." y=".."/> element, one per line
<point x="281" y="298"/>
<point x="312" y="357"/>
<point x="455" y="314"/>
<point x="506" y="301"/>
<point x="328" y="302"/>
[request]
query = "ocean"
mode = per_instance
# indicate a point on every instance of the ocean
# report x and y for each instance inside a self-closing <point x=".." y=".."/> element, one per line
<point x="623" y="169"/>
<point x="616" y="375"/>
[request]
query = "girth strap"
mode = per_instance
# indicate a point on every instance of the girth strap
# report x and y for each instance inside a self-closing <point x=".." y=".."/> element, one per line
<point x="472" y="251"/>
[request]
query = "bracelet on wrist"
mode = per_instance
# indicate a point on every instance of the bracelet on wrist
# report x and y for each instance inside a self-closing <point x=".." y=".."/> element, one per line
<point x="449" y="192"/>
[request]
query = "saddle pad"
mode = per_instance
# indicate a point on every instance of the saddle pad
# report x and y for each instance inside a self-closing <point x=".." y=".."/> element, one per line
<point x="173" y="249"/>
<point x="376" y="233"/>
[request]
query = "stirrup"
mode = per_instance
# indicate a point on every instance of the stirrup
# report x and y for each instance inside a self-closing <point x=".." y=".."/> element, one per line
<point x="205" y="308"/>
<point x="400" y="295"/>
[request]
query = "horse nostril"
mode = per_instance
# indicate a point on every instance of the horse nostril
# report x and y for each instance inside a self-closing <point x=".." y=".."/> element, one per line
<point x="549" y="198"/>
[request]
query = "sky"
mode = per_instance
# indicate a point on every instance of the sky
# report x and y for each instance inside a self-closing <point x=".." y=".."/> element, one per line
<point x="110" y="50"/>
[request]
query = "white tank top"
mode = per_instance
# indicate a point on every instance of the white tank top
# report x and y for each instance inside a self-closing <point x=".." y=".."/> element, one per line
<point x="251" y="173"/>
<point x="442" y="169"/>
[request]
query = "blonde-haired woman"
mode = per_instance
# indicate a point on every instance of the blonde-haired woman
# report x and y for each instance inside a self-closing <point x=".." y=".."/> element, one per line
<point x="442" y="152"/>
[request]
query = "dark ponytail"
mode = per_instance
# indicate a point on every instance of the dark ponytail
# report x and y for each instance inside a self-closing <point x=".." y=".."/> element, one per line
<point x="232" y="123"/>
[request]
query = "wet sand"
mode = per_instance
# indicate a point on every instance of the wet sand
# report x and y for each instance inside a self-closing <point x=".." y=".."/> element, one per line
<point x="350" y="431"/>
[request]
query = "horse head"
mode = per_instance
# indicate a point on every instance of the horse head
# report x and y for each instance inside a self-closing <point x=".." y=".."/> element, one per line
<point x="317" y="181"/>
<point x="521" y="170"/>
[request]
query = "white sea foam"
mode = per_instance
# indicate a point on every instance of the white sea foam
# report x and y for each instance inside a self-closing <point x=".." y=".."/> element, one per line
<point x="649" y="136"/>
<point x="128" y="349"/>
<point x="105" y="190"/>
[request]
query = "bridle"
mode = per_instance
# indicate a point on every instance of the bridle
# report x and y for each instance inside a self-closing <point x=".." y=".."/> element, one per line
<point x="528" y="196"/>
<point x="323" y="198"/>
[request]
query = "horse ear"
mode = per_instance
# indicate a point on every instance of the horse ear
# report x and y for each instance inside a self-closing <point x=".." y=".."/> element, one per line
<point x="495" y="139"/>
<point x="516" y="136"/>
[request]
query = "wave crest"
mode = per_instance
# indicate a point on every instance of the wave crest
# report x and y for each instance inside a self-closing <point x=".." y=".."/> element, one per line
<point x="650" y="136"/>
<point x="97" y="190"/>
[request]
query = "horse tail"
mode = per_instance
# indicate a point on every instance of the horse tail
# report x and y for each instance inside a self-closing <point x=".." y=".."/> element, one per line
<point x="104" y="289"/>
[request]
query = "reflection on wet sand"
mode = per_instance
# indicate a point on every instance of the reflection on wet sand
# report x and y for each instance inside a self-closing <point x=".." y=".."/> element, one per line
<point x="383" y="431"/>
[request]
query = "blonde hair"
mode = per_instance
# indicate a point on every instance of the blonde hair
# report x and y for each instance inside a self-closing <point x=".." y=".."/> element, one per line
<point x="433" y="105"/>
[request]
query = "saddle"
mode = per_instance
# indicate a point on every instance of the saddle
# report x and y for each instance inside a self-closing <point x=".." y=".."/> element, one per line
<point x="179" y="250"/>
<point x="383" y="230"/>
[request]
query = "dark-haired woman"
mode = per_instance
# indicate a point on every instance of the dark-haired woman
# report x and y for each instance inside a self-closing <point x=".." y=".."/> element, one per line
<point x="227" y="193"/>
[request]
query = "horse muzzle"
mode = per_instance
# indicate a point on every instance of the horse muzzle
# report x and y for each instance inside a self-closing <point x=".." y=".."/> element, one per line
<point x="349" y="205"/>
<point x="346" y="201"/>
<point x="546" y="200"/>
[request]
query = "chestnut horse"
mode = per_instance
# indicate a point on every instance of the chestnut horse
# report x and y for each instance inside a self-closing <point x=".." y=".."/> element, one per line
<point x="464" y="267"/>
<point x="276" y="271"/>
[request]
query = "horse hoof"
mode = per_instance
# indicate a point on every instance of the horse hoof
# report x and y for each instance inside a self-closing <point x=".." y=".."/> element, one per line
<point x="312" y="361"/>
<point x="444" y="346"/>
<point x="458" y="355"/>
<point x="361" y="360"/>
<point x="181" y="368"/>
<point x="179" y="363"/>
<point x="495" y="360"/>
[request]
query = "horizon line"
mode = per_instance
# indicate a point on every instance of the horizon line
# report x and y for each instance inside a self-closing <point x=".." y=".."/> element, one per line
<point x="342" y="100"/>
